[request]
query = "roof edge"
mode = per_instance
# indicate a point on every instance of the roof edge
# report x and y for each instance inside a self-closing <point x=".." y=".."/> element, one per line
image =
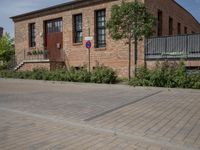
<point x="73" y="5"/>
<point x="186" y="11"/>
<point x="44" y="9"/>
<point x="57" y="8"/>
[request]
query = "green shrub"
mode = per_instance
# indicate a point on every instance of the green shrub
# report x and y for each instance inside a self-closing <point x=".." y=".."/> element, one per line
<point x="6" y="74"/>
<point x="2" y="67"/>
<point x="22" y="75"/>
<point x="142" y="77"/>
<point x="99" y="75"/>
<point x="194" y="81"/>
<point x="102" y="74"/>
<point x="166" y="75"/>
<point x="78" y="75"/>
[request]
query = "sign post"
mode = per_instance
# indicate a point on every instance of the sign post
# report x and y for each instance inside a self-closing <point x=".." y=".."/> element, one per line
<point x="88" y="45"/>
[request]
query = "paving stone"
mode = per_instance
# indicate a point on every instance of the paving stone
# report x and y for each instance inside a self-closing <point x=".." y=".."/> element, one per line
<point x="50" y="116"/>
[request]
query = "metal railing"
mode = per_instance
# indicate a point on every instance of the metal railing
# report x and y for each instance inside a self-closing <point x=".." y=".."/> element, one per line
<point x="44" y="55"/>
<point x="173" y="47"/>
<point x="35" y="54"/>
<point x="28" y="55"/>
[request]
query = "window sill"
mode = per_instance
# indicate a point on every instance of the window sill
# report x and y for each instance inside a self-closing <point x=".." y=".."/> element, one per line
<point x="100" y="49"/>
<point x="32" y="48"/>
<point x="77" y="44"/>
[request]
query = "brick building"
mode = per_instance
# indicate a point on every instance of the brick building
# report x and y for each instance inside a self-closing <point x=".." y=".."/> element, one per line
<point x="1" y="31"/>
<point x="55" y="35"/>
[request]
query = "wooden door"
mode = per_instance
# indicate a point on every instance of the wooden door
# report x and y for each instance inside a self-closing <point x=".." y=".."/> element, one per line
<point x="54" y="39"/>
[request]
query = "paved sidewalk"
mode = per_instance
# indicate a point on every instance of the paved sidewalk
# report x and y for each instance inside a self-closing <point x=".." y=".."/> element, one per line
<point x="37" y="115"/>
<point x="67" y="100"/>
<point x="168" y="116"/>
<point x="21" y="131"/>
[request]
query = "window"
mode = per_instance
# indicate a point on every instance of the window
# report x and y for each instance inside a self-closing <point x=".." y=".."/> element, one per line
<point x="185" y="30"/>
<point x="78" y="33"/>
<point x="160" y="21"/>
<point x="170" y="26"/>
<point x="179" y="28"/>
<point x="100" y="28"/>
<point x="32" y="42"/>
<point x="54" y="26"/>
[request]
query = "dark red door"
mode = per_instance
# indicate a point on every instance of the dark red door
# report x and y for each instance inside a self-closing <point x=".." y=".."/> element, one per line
<point x="54" y="39"/>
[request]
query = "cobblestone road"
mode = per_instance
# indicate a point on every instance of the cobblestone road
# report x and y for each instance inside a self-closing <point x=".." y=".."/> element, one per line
<point x="37" y="115"/>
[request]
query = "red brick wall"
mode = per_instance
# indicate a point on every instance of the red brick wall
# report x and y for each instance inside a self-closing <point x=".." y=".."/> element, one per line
<point x="115" y="54"/>
<point x="30" y="66"/>
<point x="189" y="63"/>
<point x="170" y="8"/>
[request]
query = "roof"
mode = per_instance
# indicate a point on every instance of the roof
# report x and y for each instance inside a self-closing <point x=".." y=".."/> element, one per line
<point x="185" y="10"/>
<point x="69" y="6"/>
<point x="58" y="8"/>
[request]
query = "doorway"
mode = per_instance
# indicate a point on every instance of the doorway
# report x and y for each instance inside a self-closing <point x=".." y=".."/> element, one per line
<point x="54" y="39"/>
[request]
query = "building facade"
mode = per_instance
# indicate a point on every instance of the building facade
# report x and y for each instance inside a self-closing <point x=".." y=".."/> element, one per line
<point x="1" y="31"/>
<point x="55" y="36"/>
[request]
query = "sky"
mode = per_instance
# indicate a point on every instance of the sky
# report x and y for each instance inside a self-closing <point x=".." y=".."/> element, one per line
<point x="10" y="8"/>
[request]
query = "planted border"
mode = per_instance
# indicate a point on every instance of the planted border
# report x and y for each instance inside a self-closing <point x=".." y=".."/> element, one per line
<point x="171" y="75"/>
<point x="101" y="74"/>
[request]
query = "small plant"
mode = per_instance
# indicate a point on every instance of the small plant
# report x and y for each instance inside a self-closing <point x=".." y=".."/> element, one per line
<point x="34" y="52"/>
<point x="166" y="74"/>
<point x="78" y="75"/>
<point x="40" y="52"/>
<point x="103" y="74"/>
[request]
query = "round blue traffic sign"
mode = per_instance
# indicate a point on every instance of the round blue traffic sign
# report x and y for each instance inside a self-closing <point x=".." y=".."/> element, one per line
<point x="88" y="44"/>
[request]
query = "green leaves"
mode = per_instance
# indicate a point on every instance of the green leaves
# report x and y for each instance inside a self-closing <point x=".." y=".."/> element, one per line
<point x="166" y="74"/>
<point x="129" y="21"/>
<point x="6" y="48"/>
<point x="101" y="74"/>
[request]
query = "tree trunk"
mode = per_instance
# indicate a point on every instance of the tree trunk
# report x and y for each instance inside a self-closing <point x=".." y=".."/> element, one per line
<point x="129" y="60"/>
<point x="135" y="55"/>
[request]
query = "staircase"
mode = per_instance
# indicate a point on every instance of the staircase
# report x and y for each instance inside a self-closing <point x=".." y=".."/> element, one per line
<point x="35" y="62"/>
<point x="19" y="66"/>
<point x="40" y="60"/>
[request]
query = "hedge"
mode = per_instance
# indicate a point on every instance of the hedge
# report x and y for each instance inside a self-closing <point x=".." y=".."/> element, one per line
<point x="172" y="75"/>
<point x="101" y="74"/>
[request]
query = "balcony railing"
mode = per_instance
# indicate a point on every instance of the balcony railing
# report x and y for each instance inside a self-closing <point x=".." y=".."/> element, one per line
<point x="173" y="47"/>
<point x="36" y="54"/>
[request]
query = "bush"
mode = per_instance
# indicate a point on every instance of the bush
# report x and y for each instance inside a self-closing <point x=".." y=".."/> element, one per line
<point x="6" y="74"/>
<point x="80" y="75"/>
<point x="166" y="75"/>
<point x="194" y="81"/>
<point x="100" y="74"/>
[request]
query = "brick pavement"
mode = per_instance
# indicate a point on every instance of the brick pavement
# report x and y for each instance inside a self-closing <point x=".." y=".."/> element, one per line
<point x="35" y="115"/>
<point x="169" y="116"/>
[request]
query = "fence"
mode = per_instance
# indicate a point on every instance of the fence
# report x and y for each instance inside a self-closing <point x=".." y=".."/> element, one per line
<point x="35" y="55"/>
<point x="173" y="47"/>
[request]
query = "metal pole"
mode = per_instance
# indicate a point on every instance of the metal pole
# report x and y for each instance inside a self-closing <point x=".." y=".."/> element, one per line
<point x="88" y="22"/>
<point x="89" y="58"/>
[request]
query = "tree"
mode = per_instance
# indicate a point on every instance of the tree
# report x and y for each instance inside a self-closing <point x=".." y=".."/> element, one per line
<point x="6" y="48"/>
<point x="130" y="21"/>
